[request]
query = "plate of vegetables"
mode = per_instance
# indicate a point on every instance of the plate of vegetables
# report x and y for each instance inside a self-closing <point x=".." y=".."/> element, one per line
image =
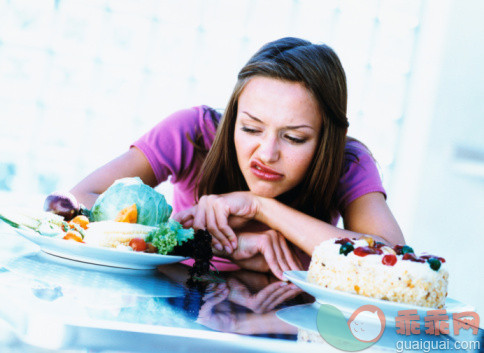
<point x="128" y="227"/>
<point x="78" y="251"/>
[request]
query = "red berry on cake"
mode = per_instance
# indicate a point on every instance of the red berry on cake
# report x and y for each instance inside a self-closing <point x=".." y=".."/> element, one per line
<point x="366" y="250"/>
<point x="389" y="259"/>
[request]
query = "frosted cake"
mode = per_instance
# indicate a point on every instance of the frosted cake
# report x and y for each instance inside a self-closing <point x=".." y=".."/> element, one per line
<point x="367" y="267"/>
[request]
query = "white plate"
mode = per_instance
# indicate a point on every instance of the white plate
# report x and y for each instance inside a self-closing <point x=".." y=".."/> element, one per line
<point x="349" y="302"/>
<point x="305" y="317"/>
<point x="97" y="255"/>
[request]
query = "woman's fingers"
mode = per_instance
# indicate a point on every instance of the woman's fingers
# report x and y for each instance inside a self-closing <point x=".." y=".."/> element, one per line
<point x="298" y="261"/>
<point x="222" y="213"/>
<point x="263" y="301"/>
<point x="180" y="216"/>
<point x="188" y="223"/>
<point x="215" y="291"/>
<point x="274" y="249"/>
<point x="239" y="293"/>
<point x="276" y="298"/>
<point x="212" y="214"/>
<point x="185" y="216"/>
<point x="279" y="255"/>
<point x="199" y="214"/>
<point x="206" y="309"/>
<point x="291" y="258"/>
<point x="256" y="263"/>
<point x="288" y="293"/>
<point x="276" y="240"/>
<point x="218" y="240"/>
<point x="217" y="214"/>
<point x="261" y="297"/>
<point x="267" y="250"/>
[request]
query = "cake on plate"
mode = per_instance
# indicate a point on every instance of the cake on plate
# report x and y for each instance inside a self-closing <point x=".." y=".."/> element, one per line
<point x="370" y="268"/>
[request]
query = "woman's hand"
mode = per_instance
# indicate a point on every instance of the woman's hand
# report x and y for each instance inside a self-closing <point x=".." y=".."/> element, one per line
<point x="264" y="251"/>
<point x="219" y="312"/>
<point x="220" y="215"/>
<point x="264" y="300"/>
<point x="216" y="312"/>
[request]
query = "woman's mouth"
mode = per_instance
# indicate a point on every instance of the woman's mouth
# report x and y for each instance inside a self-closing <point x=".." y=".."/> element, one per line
<point x="264" y="173"/>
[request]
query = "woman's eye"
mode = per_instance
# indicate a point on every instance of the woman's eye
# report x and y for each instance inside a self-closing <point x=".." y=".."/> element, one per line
<point x="295" y="139"/>
<point x="249" y="130"/>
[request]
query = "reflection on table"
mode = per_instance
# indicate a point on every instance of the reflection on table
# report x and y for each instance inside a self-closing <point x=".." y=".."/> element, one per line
<point x="59" y="304"/>
<point x="243" y="302"/>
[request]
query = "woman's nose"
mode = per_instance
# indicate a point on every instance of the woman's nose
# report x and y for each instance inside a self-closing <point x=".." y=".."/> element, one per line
<point x="269" y="150"/>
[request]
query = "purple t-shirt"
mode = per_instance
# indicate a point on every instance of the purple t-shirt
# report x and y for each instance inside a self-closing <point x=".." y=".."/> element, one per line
<point x="170" y="153"/>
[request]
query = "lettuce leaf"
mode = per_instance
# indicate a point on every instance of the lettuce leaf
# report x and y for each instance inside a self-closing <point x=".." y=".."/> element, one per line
<point x="152" y="206"/>
<point x="168" y="235"/>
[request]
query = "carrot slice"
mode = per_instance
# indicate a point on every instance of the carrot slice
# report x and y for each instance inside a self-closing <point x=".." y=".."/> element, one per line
<point x="128" y="214"/>
<point x="73" y="235"/>
<point x="81" y="221"/>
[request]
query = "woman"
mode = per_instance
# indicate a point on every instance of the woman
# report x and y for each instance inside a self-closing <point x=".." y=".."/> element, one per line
<point x="279" y="171"/>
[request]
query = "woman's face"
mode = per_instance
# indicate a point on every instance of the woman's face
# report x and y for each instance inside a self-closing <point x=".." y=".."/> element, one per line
<point x="276" y="134"/>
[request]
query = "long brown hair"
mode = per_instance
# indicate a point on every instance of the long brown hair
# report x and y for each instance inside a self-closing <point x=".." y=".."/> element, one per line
<point x="319" y="69"/>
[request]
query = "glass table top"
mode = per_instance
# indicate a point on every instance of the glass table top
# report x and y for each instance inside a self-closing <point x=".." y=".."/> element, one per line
<point x="52" y="304"/>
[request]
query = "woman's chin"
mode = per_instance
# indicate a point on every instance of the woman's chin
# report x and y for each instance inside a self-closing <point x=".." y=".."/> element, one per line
<point x="265" y="192"/>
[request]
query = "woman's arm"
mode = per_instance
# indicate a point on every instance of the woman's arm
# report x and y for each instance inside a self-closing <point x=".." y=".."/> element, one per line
<point x="367" y="215"/>
<point x="130" y="164"/>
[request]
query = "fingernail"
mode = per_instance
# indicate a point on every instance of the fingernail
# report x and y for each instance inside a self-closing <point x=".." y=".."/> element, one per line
<point x="228" y="249"/>
<point x="234" y="244"/>
<point x="282" y="284"/>
<point x="218" y="247"/>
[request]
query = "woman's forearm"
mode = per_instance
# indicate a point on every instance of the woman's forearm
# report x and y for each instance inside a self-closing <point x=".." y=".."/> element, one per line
<point x="132" y="163"/>
<point x="304" y="231"/>
<point x="86" y="199"/>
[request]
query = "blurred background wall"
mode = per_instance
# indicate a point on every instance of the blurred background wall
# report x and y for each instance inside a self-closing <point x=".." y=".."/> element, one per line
<point x="81" y="80"/>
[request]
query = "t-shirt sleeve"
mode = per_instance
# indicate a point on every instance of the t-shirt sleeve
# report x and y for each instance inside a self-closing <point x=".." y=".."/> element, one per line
<point x="360" y="176"/>
<point x="167" y="145"/>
